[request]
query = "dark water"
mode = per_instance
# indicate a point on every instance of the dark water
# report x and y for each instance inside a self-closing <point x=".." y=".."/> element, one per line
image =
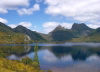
<point x="69" y="57"/>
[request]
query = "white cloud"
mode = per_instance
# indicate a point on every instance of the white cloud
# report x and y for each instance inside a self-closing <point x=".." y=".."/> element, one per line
<point x="80" y="10"/>
<point x="6" y="5"/>
<point x="94" y="25"/>
<point x="21" y="6"/>
<point x="67" y="58"/>
<point x="12" y="25"/>
<point x="3" y="20"/>
<point x="25" y="24"/>
<point x="29" y="11"/>
<point x="49" y="26"/>
<point x="14" y="3"/>
<point x="2" y="10"/>
<point x="93" y="58"/>
<point x="49" y="56"/>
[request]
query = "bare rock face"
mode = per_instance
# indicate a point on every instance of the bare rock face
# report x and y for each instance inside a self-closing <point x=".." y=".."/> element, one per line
<point x="81" y="29"/>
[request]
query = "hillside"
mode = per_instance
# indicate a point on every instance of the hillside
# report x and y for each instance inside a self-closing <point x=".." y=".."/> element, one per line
<point x="16" y="66"/>
<point x="18" y="35"/>
<point x="15" y="38"/>
<point x="5" y="28"/>
<point x="93" y="37"/>
<point x="78" y="33"/>
<point x="61" y="34"/>
<point x="32" y="34"/>
<point x="8" y="36"/>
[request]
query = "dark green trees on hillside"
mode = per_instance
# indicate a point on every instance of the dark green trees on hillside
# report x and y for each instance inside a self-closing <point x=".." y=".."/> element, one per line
<point x="61" y="35"/>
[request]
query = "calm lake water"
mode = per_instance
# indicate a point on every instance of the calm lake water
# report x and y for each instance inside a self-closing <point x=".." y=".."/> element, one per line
<point x="68" y="57"/>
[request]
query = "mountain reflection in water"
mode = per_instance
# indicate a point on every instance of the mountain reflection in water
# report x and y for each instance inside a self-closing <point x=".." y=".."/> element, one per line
<point x="62" y="58"/>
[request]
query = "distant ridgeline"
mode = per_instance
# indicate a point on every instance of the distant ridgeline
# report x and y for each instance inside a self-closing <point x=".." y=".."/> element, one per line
<point x="78" y="33"/>
<point x="22" y="35"/>
<point x="18" y="35"/>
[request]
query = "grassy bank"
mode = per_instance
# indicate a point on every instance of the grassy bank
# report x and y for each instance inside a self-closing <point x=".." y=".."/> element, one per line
<point x="15" y="66"/>
<point x="93" y="38"/>
<point x="13" y="38"/>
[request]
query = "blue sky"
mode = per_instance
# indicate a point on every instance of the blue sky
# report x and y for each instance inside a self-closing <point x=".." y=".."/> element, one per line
<point x="44" y="15"/>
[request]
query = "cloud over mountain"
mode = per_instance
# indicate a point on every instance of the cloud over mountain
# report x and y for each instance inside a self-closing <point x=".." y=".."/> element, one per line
<point x="49" y="26"/>
<point x="79" y="10"/>
<point x="3" y="20"/>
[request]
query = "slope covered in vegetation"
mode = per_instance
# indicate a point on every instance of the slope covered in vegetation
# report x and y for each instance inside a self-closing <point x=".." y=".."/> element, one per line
<point x="15" y="66"/>
<point x="8" y="36"/>
<point x="13" y="38"/>
<point x="32" y="34"/>
<point x="93" y="37"/>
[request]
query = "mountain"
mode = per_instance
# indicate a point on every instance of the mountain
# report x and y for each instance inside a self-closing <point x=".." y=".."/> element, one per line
<point x="81" y="29"/>
<point x="78" y="33"/>
<point x="32" y="34"/>
<point x="59" y="27"/>
<point x="13" y="38"/>
<point x="97" y="30"/>
<point x="47" y="37"/>
<point x="61" y="34"/>
<point x="5" y="28"/>
<point x="8" y="36"/>
<point x="93" y="37"/>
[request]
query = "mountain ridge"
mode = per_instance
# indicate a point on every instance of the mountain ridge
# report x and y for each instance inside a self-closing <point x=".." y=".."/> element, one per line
<point x="59" y="34"/>
<point x="32" y="34"/>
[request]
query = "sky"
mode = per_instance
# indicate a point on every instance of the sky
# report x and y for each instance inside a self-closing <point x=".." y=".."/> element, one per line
<point x="44" y="15"/>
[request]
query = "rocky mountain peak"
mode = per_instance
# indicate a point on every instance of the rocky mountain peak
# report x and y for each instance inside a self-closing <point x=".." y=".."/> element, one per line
<point x="59" y="27"/>
<point x="80" y="26"/>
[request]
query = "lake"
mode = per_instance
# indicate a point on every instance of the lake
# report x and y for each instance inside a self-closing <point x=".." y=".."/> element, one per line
<point x="68" y="57"/>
